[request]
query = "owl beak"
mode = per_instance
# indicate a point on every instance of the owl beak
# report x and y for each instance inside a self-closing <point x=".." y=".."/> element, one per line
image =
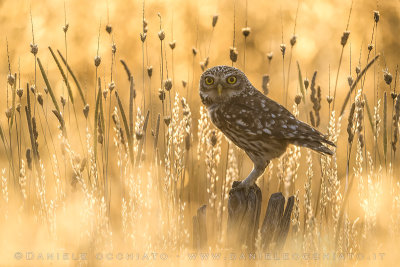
<point x="219" y="88"/>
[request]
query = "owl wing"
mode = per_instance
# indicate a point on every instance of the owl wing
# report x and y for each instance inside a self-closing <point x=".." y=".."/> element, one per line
<point x="259" y="117"/>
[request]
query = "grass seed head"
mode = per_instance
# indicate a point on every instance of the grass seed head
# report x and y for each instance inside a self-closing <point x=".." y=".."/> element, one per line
<point x="370" y="47"/>
<point x="297" y="99"/>
<point x="387" y="76"/>
<point x="270" y="56"/>
<point x="306" y="83"/>
<point x="34" y="49"/>
<point x="246" y="31"/>
<point x="66" y="27"/>
<point x="184" y="83"/>
<point x="172" y="44"/>
<point x="18" y="107"/>
<point x="150" y="71"/>
<point x="111" y="86"/>
<point x="161" y="35"/>
<point x="214" y="20"/>
<point x="233" y="54"/>
<point x="97" y="61"/>
<point x="168" y="84"/>
<point x="143" y="36"/>
<point x="86" y="110"/>
<point x="161" y="94"/>
<point x="350" y="81"/>
<point x="293" y="40"/>
<point x="344" y="38"/>
<point x="283" y="49"/>
<point x="376" y="16"/>
<point x="194" y="51"/>
<point x="108" y="28"/>
<point x="63" y="101"/>
<point x="113" y="48"/>
<point x="40" y="99"/>
<point x="11" y="79"/>
<point x="20" y="92"/>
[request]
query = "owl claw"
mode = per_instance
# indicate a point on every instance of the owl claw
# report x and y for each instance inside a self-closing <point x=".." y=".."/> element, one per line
<point x="245" y="186"/>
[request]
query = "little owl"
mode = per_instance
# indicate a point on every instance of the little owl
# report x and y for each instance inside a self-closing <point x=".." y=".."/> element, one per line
<point x="252" y="121"/>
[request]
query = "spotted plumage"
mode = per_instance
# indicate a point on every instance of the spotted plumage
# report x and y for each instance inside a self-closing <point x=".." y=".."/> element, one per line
<point x="255" y="123"/>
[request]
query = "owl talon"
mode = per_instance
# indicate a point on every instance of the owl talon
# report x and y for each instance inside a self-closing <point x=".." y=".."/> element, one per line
<point x="245" y="186"/>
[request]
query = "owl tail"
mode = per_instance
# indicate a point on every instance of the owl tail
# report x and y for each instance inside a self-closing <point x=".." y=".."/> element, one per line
<point x="316" y="146"/>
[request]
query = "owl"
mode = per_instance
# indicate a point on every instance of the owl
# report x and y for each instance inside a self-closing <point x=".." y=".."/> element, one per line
<point x="255" y="123"/>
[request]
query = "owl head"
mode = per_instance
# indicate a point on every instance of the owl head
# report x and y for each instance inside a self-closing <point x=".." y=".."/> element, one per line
<point x="221" y="83"/>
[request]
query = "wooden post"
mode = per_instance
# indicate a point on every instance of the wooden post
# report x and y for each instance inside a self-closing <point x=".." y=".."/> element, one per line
<point x="200" y="228"/>
<point x="276" y="224"/>
<point x="243" y="216"/>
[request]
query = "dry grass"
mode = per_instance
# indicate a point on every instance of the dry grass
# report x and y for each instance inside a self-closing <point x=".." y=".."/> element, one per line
<point x="117" y="167"/>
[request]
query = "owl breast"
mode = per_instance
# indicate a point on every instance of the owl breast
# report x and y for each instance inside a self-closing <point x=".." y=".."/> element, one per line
<point x="257" y="145"/>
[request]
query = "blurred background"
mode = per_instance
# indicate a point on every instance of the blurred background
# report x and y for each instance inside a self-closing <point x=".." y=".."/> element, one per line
<point x="317" y="24"/>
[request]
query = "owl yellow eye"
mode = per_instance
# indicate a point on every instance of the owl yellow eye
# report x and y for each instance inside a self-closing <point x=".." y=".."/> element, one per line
<point x="231" y="79"/>
<point x="209" y="80"/>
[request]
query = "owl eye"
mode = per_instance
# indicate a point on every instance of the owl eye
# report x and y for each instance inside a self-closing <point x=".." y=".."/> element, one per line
<point x="231" y="79"/>
<point x="209" y="80"/>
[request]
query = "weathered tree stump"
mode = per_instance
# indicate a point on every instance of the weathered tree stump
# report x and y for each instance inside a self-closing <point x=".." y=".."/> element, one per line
<point x="275" y="227"/>
<point x="200" y="228"/>
<point x="243" y="216"/>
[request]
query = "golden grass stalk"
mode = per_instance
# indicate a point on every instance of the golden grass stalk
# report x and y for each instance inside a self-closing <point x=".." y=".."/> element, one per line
<point x="73" y="77"/>
<point x="63" y="75"/>
<point x="46" y="81"/>
<point x="127" y="131"/>
<point x="356" y="82"/>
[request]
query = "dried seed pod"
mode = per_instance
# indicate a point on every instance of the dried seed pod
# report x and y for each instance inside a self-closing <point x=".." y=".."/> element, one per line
<point x="111" y="86"/>
<point x="246" y="31"/>
<point x="113" y="48"/>
<point x="358" y="70"/>
<point x="233" y="54"/>
<point x="376" y="16"/>
<point x="8" y="113"/>
<point x="105" y="92"/>
<point x="172" y="44"/>
<point x="167" y="120"/>
<point x="143" y="36"/>
<point x="108" y="28"/>
<point x="161" y="35"/>
<point x="97" y="61"/>
<point x="293" y="40"/>
<point x="329" y="99"/>
<point x="306" y="83"/>
<point x="269" y="56"/>
<point x="297" y="99"/>
<point x="34" y="49"/>
<point x="100" y="139"/>
<point x="168" y="84"/>
<point x="387" y="76"/>
<point x="370" y="47"/>
<point x="46" y="90"/>
<point x="194" y="51"/>
<point x="393" y="95"/>
<point x="184" y="83"/>
<point x="213" y="138"/>
<point x="139" y="135"/>
<point x="11" y="79"/>
<point x="18" y="107"/>
<point x="150" y="71"/>
<point x="86" y="110"/>
<point x="161" y="94"/>
<point x="40" y="99"/>
<point x="350" y="80"/>
<point x="214" y="20"/>
<point x="33" y="89"/>
<point x="144" y="23"/>
<point x="20" y="92"/>
<point x="187" y="141"/>
<point x="283" y="49"/>
<point x="29" y="158"/>
<point x="344" y="38"/>
<point x="66" y="27"/>
<point x="63" y="101"/>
